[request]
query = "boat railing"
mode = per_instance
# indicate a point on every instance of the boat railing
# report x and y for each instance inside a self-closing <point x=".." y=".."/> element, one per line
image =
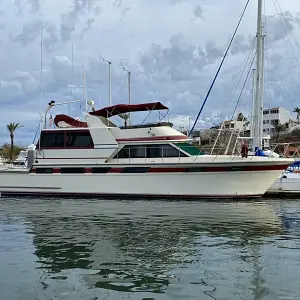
<point x="287" y="149"/>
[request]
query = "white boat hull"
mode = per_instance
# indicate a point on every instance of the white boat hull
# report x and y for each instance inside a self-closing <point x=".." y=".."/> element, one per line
<point x="287" y="183"/>
<point x="235" y="184"/>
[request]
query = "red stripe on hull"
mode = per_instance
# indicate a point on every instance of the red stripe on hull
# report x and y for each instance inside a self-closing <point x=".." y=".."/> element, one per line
<point x="267" y="168"/>
<point x="115" y="170"/>
<point x="195" y="169"/>
<point x="128" y="196"/>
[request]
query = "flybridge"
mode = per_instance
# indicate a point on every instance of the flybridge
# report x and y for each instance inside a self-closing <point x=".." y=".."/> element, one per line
<point x="64" y="121"/>
<point x="99" y="131"/>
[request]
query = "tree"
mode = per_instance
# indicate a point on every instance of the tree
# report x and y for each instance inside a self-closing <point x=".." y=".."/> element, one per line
<point x="6" y="151"/>
<point x="125" y="117"/>
<point x="297" y="111"/>
<point x="12" y="127"/>
<point x="241" y="117"/>
<point x="279" y="128"/>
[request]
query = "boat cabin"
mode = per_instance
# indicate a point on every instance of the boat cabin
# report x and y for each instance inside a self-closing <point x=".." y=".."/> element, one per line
<point x="99" y="139"/>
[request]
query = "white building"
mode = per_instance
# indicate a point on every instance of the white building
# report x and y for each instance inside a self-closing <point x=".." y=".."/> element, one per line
<point x="275" y="116"/>
<point x="234" y="125"/>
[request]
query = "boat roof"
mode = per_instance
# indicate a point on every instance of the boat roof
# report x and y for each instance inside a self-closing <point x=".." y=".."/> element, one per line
<point x="126" y="108"/>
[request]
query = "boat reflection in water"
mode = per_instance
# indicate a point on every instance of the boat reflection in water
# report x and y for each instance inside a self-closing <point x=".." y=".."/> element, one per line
<point x="177" y="249"/>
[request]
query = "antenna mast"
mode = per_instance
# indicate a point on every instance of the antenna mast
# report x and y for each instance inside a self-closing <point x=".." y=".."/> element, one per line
<point x="129" y="90"/>
<point x="109" y="81"/>
<point x="72" y="79"/>
<point x="84" y="87"/>
<point x="41" y="87"/>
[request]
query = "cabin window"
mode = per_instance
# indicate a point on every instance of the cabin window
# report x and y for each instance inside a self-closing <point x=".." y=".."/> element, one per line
<point x="132" y="152"/>
<point x="190" y="149"/>
<point x="124" y="153"/>
<point x="170" y="151"/>
<point x="78" y="139"/>
<point x="52" y="139"/>
<point x="137" y="151"/>
<point x="149" y="151"/>
<point x="154" y="151"/>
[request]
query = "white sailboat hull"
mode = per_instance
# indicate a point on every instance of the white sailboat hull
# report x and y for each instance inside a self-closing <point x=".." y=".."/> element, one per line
<point x="234" y="184"/>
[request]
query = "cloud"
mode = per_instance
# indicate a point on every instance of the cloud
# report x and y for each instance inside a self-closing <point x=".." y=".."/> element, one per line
<point x="31" y="32"/>
<point x="198" y="12"/>
<point x="280" y="25"/>
<point x="172" y="48"/>
<point x="32" y="5"/>
<point x="70" y="20"/>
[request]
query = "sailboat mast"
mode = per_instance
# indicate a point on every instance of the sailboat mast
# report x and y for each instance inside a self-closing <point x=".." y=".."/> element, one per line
<point x="253" y="102"/>
<point x="258" y="105"/>
<point x="262" y="65"/>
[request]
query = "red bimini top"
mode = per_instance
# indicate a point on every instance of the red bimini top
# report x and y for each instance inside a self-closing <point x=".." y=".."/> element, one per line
<point x="126" y="108"/>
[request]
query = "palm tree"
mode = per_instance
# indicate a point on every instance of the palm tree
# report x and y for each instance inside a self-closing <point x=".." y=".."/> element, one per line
<point x="12" y="127"/>
<point x="297" y="111"/>
<point x="125" y="117"/>
<point x="279" y="128"/>
<point x="241" y="117"/>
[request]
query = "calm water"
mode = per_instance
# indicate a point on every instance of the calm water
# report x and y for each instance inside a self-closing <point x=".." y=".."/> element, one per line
<point x="90" y="249"/>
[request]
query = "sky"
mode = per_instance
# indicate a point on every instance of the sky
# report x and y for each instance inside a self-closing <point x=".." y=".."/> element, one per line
<point x="172" y="48"/>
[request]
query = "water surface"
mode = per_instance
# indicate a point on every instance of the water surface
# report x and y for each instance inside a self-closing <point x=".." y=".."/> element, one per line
<point x="95" y="249"/>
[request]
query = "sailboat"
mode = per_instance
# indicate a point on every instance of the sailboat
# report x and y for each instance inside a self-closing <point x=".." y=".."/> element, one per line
<point x="152" y="160"/>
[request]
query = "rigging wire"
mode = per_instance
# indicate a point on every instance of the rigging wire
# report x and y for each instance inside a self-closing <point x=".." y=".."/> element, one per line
<point x="287" y="90"/>
<point x="271" y="54"/>
<point x="289" y="27"/>
<point x="221" y="64"/>
<point x="238" y="101"/>
<point x="282" y="20"/>
<point x="240" y="76"/>
<point x="233" y="96"/>
<point x="243" y="88"/>
<point x="271" y="60"/>
<point x="36" y="133"/>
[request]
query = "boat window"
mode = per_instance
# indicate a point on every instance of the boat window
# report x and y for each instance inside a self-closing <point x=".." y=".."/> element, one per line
<point x="79" y="139"/>
<point x="52" y="139"/>
<point x="123" y="153"/>
<point x="154" y="151"/>
<point x="137" y="151"/>
<point x="170" y="151"/>
<point x="132" y="152"/>
<point x="189" y="148"/>
<point x="149" y="151"/>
